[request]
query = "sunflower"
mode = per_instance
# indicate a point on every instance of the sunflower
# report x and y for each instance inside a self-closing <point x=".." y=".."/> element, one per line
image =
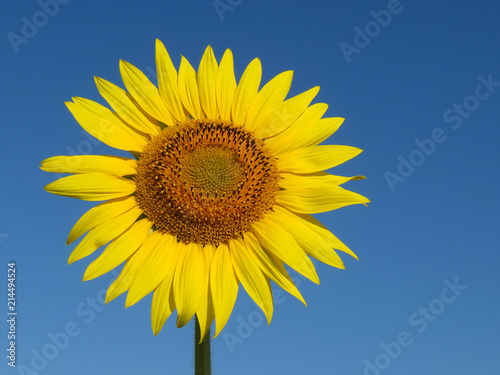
<point x="219" y="192"/>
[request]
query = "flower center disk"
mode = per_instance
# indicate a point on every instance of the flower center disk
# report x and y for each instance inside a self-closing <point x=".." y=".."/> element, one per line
<point x="213" y="170"/>
<point x="206" y="181"/>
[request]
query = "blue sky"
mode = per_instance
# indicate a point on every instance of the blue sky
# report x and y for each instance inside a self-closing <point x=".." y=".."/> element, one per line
<point x="419" y="86"/>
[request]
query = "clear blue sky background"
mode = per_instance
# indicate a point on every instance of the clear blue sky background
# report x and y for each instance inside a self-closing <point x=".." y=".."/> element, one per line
<point x="421" y="74"/>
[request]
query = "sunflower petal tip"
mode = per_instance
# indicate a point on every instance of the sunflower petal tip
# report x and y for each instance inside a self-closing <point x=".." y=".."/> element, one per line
<point x="355" y="178"/>
<point x="130" y="301"/>
<point x="257" y="61"/>
<point x="288" y="73"/>
<point x="269" y="318"/>
<point x="216" y="333"/>
<point x="110" y="296"/>
<point x="178" y="321"/>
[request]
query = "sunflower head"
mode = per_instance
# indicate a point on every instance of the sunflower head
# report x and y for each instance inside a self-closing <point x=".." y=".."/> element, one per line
<point x="221" y="191"/>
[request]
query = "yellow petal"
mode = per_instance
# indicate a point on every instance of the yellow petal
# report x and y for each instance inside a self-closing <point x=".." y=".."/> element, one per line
<point x="167" y="82"/>
<point x="282" y="116"/>
<point x="145" y="93"/>
<point x="249" y="273"/>
<point x="314" y="245"/>
<point x="268" y="100"/>
<point x="323" y="232"/>
<point x="207" y="74"/>
<point x="122" y="282"/>
<point x="275" y="239"/>
<point x="188" y="89"/>
<point x="205" y="312"/>
<point x="160" y="261"/>
<point x="129" y="271"/>
<point x="115" y="165"/>
<point x="318" y="179"/>
<point x="92" y="186"/>
<point x="225" y="85"/>
<point x="100" y="214"/>
<point x="102" y="234"/>
<point x="271" y="266"/>
<point x="316" y="134"/>
<point x="316" y="158"/>
<point x="105" y="125"/>
<point x="163" y="304"/>
<point x="119" y="250"/>
<point x="318" y="199"/>
<point x="292" y="137"/>
<point x="126" y="107"/>
<point x="224" y="286"/>
<point x="246" y="91"/>
<point x="190" y="281"/>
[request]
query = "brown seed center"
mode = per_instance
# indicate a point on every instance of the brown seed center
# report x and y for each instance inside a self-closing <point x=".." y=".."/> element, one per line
<point x="206" y="181"/>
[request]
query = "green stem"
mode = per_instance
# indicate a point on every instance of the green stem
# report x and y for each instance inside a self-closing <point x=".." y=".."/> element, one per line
<point x="202" y="364"/>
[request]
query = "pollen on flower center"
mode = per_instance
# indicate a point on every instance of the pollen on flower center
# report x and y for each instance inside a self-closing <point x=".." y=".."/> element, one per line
<point x="206" y="181"/>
